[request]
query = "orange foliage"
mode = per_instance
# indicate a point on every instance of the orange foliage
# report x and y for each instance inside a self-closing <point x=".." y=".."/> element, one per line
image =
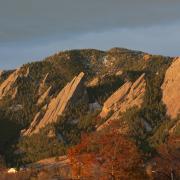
<point x="167" y="164"/>
<point x="106" y="156"/>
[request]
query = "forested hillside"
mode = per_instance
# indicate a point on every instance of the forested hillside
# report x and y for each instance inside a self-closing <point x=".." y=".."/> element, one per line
<point x="39" y="91"/>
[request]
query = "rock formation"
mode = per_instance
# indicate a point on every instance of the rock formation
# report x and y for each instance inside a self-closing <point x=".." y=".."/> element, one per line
<point x="32" y="126"/>
<point x="5" y="87"/>
<point x="15" y="93"/>
<point x="171" y="88"/>
<point x="44" y="96"/>
<point x="70" y="94"/>
<point x="93" y="82"/>
<point x="42" y="85"/>
<point x="27" y="72"/>
<point x="127" y="96"/>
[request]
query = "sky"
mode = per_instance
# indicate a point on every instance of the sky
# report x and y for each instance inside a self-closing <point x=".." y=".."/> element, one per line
<point x="30" y="30"/>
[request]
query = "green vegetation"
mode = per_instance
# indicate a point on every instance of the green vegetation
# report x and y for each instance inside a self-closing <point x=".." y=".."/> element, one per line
<point x="39" y="146"/>
<point x="61" y="68"/>
<point x="105" y="88"/>
<point x="55" y="139"/>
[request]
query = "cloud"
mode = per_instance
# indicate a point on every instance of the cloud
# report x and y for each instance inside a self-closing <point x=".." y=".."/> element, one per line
<point x="160" y="39"/>
<point x="22" y="20"/>
<point x="33" y="29"/>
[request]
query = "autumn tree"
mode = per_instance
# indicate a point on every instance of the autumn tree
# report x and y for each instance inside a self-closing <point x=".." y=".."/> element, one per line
<point x="167" y="163"/>
<point x="82" y="160"/>
<point x="106" y="156"/>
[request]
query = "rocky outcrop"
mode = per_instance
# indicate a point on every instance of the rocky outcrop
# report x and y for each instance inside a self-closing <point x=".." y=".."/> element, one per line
<point x="171" y="89"/>
<point x="32" y="126"/>
<point x="5" y="87"/>
<point x="42" y="85"/>
<point x="43" y="97"/>
<point x="93" y="82"/>
<point x="119" y="73"/>
<point x="15" y="93"/>
<point x="127" y="96"/>
<point x="70" y="94"/>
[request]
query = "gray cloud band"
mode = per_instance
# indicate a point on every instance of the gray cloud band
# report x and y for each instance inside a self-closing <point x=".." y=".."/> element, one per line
<point x="24" y="20"/>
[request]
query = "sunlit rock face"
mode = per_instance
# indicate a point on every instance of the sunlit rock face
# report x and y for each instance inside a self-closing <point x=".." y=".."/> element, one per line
<point x="5" y="87"/>
<point x="127" y="96"/>
<point x="70" y="94"/>
<point x="171" y="89"/>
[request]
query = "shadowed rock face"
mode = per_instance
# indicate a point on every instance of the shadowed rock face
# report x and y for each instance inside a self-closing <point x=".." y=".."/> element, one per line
<point x="127" y="96"/>
<point x="70" y="94"/>
<point x="171" y="89"/>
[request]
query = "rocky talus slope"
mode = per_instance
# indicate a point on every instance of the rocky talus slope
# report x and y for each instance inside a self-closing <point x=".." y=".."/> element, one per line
<point x="127" y="96"/>
<point x="71" y="93"/>
<point x="171" y="89"/>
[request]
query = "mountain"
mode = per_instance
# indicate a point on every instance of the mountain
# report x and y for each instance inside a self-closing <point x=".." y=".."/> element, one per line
<point x="46" y="106"/>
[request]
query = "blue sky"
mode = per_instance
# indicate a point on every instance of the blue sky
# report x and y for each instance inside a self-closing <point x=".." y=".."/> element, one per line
<point x="31" y="30"/>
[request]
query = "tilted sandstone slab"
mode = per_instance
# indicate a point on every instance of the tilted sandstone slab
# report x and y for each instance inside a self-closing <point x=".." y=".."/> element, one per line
<point x="127" y="96"/>
<point x="70" y="94"/>
<point x="15" y="93"/>
<point x="27" y="72"/>
<point x="44" y="96"/>
<point x="171" y="89"/>
<point x="42" y="85"/>
<point x="5" y="87"/>
<point x="32" y="126"/>
<point x="112" y="102"/>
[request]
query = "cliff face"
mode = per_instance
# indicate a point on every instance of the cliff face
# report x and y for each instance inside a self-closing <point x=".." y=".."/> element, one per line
<point x="70" y="94"/>
<point x="5" y="87"/>
<point x="171" y="89"/>
<point x="127" y="96"/>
